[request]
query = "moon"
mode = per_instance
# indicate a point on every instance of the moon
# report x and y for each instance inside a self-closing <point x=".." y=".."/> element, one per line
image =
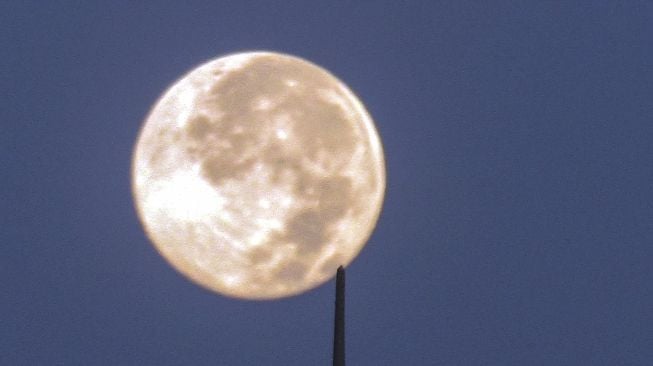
<point x="257" y="174"/>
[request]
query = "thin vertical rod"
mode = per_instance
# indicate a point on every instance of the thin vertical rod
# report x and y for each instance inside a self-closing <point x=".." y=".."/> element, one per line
<point x="339" y="326"/>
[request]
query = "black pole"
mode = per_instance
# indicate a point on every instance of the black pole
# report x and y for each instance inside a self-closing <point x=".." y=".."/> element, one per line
<point x="339" y="326"/>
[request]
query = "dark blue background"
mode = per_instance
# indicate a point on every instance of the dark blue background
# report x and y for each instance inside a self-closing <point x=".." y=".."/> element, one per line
<point x="517" y="226"/>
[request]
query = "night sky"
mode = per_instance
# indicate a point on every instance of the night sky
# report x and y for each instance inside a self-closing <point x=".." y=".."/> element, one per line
<point x="517" y="227"/>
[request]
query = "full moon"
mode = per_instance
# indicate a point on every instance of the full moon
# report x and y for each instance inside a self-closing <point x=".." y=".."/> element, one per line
<point x="257" y="174"/>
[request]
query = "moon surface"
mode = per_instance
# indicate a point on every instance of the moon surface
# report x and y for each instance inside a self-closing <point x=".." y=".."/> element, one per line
<point x="257" y="174"/>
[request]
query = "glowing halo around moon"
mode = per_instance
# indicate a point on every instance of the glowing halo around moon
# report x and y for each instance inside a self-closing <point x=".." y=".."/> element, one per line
<point x="257" y="174"/>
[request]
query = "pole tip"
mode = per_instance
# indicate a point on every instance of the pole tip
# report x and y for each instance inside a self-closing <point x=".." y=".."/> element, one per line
<point x="340" y="275"/>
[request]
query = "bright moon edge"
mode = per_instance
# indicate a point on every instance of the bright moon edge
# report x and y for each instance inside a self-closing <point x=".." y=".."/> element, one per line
<point x="275" y="228"/>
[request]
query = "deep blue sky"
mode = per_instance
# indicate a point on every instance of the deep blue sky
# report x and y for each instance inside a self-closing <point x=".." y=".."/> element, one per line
<point x="518" y="221"/>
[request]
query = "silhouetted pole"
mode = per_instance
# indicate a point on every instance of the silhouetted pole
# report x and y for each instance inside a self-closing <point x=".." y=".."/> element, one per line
<point x="339" y="326"/>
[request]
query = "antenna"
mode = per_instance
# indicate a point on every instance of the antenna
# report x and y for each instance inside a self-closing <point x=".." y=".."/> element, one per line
<point x="339" y="324"/>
